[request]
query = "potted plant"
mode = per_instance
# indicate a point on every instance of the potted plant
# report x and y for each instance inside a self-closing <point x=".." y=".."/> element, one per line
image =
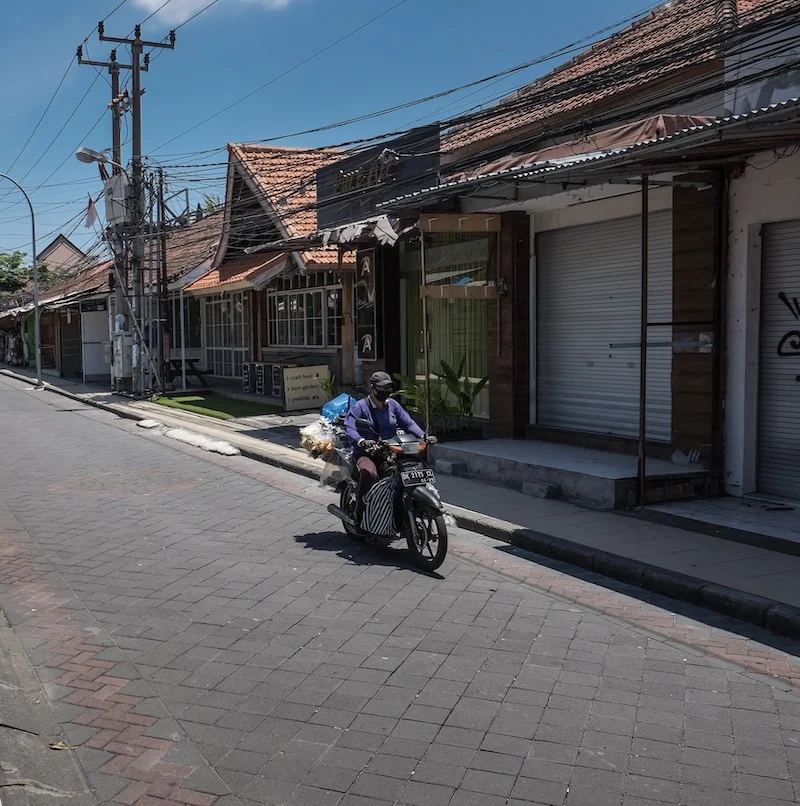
<point x="465" y="393"/>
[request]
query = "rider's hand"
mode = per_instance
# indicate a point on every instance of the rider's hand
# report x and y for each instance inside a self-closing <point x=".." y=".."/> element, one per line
<point x="431" y="440"/>
<point x="367" y="445"/>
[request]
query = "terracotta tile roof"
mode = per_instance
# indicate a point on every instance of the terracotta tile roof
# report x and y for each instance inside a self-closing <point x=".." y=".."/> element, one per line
<point x="287" y="179"/>
<point x="244" y="270"/>
<point x="190" y="246"/>
<point x="598" y="73"/>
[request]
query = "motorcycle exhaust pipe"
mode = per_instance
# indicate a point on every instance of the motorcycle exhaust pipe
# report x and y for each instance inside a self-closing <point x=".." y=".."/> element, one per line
<point x="342" y="516"/>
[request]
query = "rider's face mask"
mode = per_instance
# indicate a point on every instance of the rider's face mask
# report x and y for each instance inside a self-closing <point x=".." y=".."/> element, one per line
<point x="382" y="394"/>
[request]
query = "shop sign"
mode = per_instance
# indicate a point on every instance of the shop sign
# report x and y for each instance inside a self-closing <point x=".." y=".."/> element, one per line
<point x="94" y="305"/>
<point x="366" y="309"/>
<point x="349" y="190"/>
<point x="302" y="387"/>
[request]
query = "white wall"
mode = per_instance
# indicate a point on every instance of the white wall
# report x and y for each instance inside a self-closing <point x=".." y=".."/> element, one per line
<point x="95" y="332"/>
<point x="769" y="190"/>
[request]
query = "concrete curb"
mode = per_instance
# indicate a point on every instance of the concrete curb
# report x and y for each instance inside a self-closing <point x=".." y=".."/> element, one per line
<point x="779" y="618"/>
<point x="774" y="616"/>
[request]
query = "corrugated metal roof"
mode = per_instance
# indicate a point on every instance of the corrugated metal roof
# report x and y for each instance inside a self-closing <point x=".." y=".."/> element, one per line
<point x="552" y="166"/>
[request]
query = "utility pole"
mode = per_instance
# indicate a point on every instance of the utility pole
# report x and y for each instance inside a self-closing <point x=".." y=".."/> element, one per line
<point x="135" y="232"/>
<point x="117" y="243"/>
<point x="162" y="281"/>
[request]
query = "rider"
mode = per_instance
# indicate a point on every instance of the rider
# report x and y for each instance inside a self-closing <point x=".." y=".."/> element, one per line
<point x="386" y="415"/>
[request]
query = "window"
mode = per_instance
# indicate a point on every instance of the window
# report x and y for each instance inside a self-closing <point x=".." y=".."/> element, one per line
<point x="306" y="318"/>
<point x="192" y="322"/>
<point x="334" y="316"/>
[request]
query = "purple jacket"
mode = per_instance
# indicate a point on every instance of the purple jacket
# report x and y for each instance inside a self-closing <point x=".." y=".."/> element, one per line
<point x="398" y="418"/>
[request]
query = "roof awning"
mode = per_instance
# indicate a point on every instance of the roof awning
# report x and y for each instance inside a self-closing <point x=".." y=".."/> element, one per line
<point x="695" y="148"/>
<point x="381" y="229"/>
<point x="251" y="273"/>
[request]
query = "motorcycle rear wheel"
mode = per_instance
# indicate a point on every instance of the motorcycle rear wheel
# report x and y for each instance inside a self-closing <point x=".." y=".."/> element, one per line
<point x="429" y="551"/>
<point x="347" y="503"/>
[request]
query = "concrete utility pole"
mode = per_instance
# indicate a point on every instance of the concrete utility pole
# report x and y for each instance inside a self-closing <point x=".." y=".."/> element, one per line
<point x="135" y="231"/>
<point x="120" y="262"/>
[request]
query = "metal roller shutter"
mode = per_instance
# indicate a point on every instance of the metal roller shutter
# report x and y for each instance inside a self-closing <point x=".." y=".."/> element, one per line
<point x="588" y="301"/>
<point x="779" y="363"/>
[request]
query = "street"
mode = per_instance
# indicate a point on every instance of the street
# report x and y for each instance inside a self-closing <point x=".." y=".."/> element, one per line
<point x="206" y="634"/>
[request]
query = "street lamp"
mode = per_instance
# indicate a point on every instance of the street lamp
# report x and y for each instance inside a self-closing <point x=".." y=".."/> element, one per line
<point x="88" y="155"/>
<point x="37" y="333"/>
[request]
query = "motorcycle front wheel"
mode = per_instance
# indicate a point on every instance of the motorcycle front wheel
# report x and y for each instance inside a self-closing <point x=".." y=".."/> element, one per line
<point x="429" y="548"/>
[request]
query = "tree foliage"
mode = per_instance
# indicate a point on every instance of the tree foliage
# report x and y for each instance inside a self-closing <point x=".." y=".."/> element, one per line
<point x="14" y="273"/>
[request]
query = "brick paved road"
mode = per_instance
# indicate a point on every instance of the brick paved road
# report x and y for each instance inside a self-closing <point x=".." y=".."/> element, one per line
<point x="208" y="637"/>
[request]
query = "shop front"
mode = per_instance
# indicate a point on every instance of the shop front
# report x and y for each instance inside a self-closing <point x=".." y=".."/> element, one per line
<point x="762" y="426"/>
<point x="459" y="273"/>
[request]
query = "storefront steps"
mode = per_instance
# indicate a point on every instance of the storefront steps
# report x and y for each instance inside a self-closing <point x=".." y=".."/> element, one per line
<point x="751" y="519"/>
<point x="589" y="477"/>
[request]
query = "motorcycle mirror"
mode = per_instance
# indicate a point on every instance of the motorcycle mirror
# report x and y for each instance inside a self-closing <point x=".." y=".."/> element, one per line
<point x="366" y="424"/>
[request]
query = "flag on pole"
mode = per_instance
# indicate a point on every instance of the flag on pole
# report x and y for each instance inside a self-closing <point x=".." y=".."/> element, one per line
<point x="91" y="214"/>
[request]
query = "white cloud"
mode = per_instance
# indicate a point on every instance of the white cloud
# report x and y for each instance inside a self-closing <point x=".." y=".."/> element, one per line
<point x="178" y="11"/>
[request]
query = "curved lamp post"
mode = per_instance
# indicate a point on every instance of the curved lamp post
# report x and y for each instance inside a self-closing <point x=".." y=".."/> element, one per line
<point x="37" y="335"/>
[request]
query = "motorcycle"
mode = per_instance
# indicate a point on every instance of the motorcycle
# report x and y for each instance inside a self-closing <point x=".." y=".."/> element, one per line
<point x="403" y="504"/>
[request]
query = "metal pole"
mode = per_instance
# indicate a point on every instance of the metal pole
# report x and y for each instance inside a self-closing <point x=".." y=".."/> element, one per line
<point x="138" y="201"/>
<point x="120" y="288"/>
<point x="642" y="465"/>
<point x="183" y="340"/>
<point x="425" y="335"/>
<point x="163" y="299"/>
<point x="37" y="331"/>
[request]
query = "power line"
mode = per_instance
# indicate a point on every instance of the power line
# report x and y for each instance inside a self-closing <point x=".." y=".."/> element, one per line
<point x="282" y="75"/>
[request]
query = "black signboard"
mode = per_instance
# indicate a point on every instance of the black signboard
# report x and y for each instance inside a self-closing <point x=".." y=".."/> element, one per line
<point x="277" y="381"/>
<point x="349" y="190"/>
<point x="93" y="305"/>
<point x="366" y="308"/>
<point x="247" y="378"/>
<point x="260" y="390"/>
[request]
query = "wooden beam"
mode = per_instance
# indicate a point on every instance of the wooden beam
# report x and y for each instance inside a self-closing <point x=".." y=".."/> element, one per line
<point x="453" y="222"/>
<point x="348" y="329"/>
<point x="458" y="292"/>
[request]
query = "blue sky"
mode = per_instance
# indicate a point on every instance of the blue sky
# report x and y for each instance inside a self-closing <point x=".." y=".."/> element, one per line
<point x="420" y="48"/>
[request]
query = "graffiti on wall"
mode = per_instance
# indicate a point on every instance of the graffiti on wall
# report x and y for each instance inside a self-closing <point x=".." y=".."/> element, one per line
<point x="789" y="345"/>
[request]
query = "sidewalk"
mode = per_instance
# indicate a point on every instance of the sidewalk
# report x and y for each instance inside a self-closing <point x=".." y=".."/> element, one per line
<point x="747" y="582"/>
<point x="32" y="772"/>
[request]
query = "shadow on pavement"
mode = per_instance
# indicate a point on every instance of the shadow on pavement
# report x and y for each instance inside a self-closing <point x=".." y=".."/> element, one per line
<point x="378" y="554"/>
<point x="681" y="608"/>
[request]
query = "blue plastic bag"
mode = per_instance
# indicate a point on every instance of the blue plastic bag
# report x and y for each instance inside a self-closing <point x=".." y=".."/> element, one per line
<point x="338" y="406"/>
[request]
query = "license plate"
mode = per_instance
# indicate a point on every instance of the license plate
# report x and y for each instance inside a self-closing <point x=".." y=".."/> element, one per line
<point x="414" y="478"/>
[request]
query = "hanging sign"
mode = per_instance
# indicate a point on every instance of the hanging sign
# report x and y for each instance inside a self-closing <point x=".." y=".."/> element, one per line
<point x="93" y="305"/>
<point x="366" y="309"/>
<point x="350" y="190"/>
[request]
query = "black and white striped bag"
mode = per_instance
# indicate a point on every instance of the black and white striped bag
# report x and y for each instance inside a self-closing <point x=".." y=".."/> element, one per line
<point x="379" y="508"/>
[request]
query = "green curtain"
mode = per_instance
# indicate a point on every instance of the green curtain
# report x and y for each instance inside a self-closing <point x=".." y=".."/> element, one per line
<point x="459" y="328"/>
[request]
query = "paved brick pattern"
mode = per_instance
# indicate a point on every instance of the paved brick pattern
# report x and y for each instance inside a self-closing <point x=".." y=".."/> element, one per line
<point x="711" y="633"/>
<point x="113" y="737"/>
<point x="288" y="666"/>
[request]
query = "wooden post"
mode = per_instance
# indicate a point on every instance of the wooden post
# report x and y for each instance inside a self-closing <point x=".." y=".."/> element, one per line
<point x="348" y="329"/>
